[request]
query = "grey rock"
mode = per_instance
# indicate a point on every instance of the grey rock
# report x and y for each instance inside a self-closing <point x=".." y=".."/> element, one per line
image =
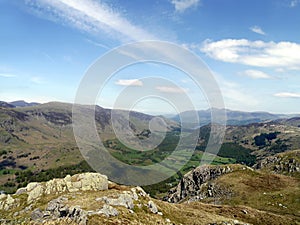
<point x="36" y="215"/>
<point x="125" y="200"/>
<point x="108" y="211"/>
<point x="56" y="209"/>
<point x="152" y="207"/>
<point x="191" y="183"/>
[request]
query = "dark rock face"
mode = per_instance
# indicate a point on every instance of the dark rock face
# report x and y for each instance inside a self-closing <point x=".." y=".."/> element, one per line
<point x="59" y="118"/>
<point x="190" y="184"/>
<point x="102" y="116"/>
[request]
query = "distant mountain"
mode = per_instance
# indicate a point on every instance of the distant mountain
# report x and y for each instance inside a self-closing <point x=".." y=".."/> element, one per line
<point x="22" y="103"/>
<point x="6" y="105"/>
<point x="233" y="117"/>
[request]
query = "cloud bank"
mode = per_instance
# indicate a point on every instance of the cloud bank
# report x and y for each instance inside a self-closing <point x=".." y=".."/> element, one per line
<point x="254" y="53"/>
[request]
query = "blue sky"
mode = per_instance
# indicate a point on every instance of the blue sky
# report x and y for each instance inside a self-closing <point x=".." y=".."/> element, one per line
<point x="251" y="46"/>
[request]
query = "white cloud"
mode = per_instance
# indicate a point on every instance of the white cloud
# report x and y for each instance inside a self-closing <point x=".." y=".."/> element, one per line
<point x="294" y="3"/>
<point x="182" y="5"/>
<point x="287" y="95"/>
<point x="258" y="30"/>
<point x="254" y="53"/>
<point x="89" y="15"/>
<point x="256" y="74"/>
<point x="130" y="82"/>
<point x="169" y="89"/>
<point x="7" y="75"/>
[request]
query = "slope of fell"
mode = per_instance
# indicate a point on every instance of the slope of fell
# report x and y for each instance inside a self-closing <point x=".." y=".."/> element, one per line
<point x="91" y="199"/>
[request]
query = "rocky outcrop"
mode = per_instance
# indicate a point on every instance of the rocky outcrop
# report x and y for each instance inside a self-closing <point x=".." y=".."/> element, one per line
<point x="31" y="200"/>
<point x="287" y="163"/>
<point x="191" y="183"/>
<point x="57" y="209"/>
<point x="35" y="190"/>
<point x="7" y="201"/>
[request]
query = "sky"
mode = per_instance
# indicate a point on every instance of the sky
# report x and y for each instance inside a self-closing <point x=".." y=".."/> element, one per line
<point x="251" y="47"/>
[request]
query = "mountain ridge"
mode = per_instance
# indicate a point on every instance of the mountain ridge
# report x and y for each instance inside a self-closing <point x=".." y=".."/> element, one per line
<point x="233" y="117"/>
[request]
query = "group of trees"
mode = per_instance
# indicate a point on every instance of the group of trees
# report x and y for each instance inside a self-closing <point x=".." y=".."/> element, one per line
<point x="238" y="152"/>
<point x="260" y="140"/>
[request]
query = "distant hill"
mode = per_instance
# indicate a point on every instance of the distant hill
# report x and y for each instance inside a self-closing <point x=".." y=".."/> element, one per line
<point x="233" y="117"/>
<point x="22" y="103"/>
<point x="6" y="105"/>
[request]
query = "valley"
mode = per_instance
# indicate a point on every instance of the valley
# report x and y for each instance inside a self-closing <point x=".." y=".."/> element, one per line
<point x="37" y="145"/>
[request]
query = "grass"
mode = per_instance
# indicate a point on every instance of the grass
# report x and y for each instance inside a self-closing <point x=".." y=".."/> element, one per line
<point x="269" y="192"/>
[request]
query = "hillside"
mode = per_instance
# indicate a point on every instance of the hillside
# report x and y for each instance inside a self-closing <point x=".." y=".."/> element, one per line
<point x="40" y="138"/>
<point x="262" y="139"/>
<point x="239" y="185"/>
<point x="91" y="199"/>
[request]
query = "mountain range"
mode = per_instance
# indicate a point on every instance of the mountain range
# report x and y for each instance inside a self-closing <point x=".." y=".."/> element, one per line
<point x="233" y="117"/>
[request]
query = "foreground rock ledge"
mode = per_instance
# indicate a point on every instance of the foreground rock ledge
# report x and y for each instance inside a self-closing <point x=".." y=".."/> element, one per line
<point x="34" y="191"/>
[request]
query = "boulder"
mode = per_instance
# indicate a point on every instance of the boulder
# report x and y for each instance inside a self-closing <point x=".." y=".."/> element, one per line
<point x="152" y="207"/>
<point x="37" y="215"/>
<point x="108" y="211"/>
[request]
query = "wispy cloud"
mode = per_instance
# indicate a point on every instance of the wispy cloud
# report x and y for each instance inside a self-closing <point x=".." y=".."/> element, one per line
<point x="130" y="82"/>
<point x="294" y="3"/>
<point x="169" y="89"/>
<point x="90" y="16"/>
<point x="7" y="75"/>
<point x="256" y="74"/>
<point x="182" y="5"/>
<point x="287" y="95"/>
<point x="258" y="30"/>
<point x="46" y="55"/>
<point x="97" y="44"/>
<point x="254" y="53"/>
<point x="235" y="95"/>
